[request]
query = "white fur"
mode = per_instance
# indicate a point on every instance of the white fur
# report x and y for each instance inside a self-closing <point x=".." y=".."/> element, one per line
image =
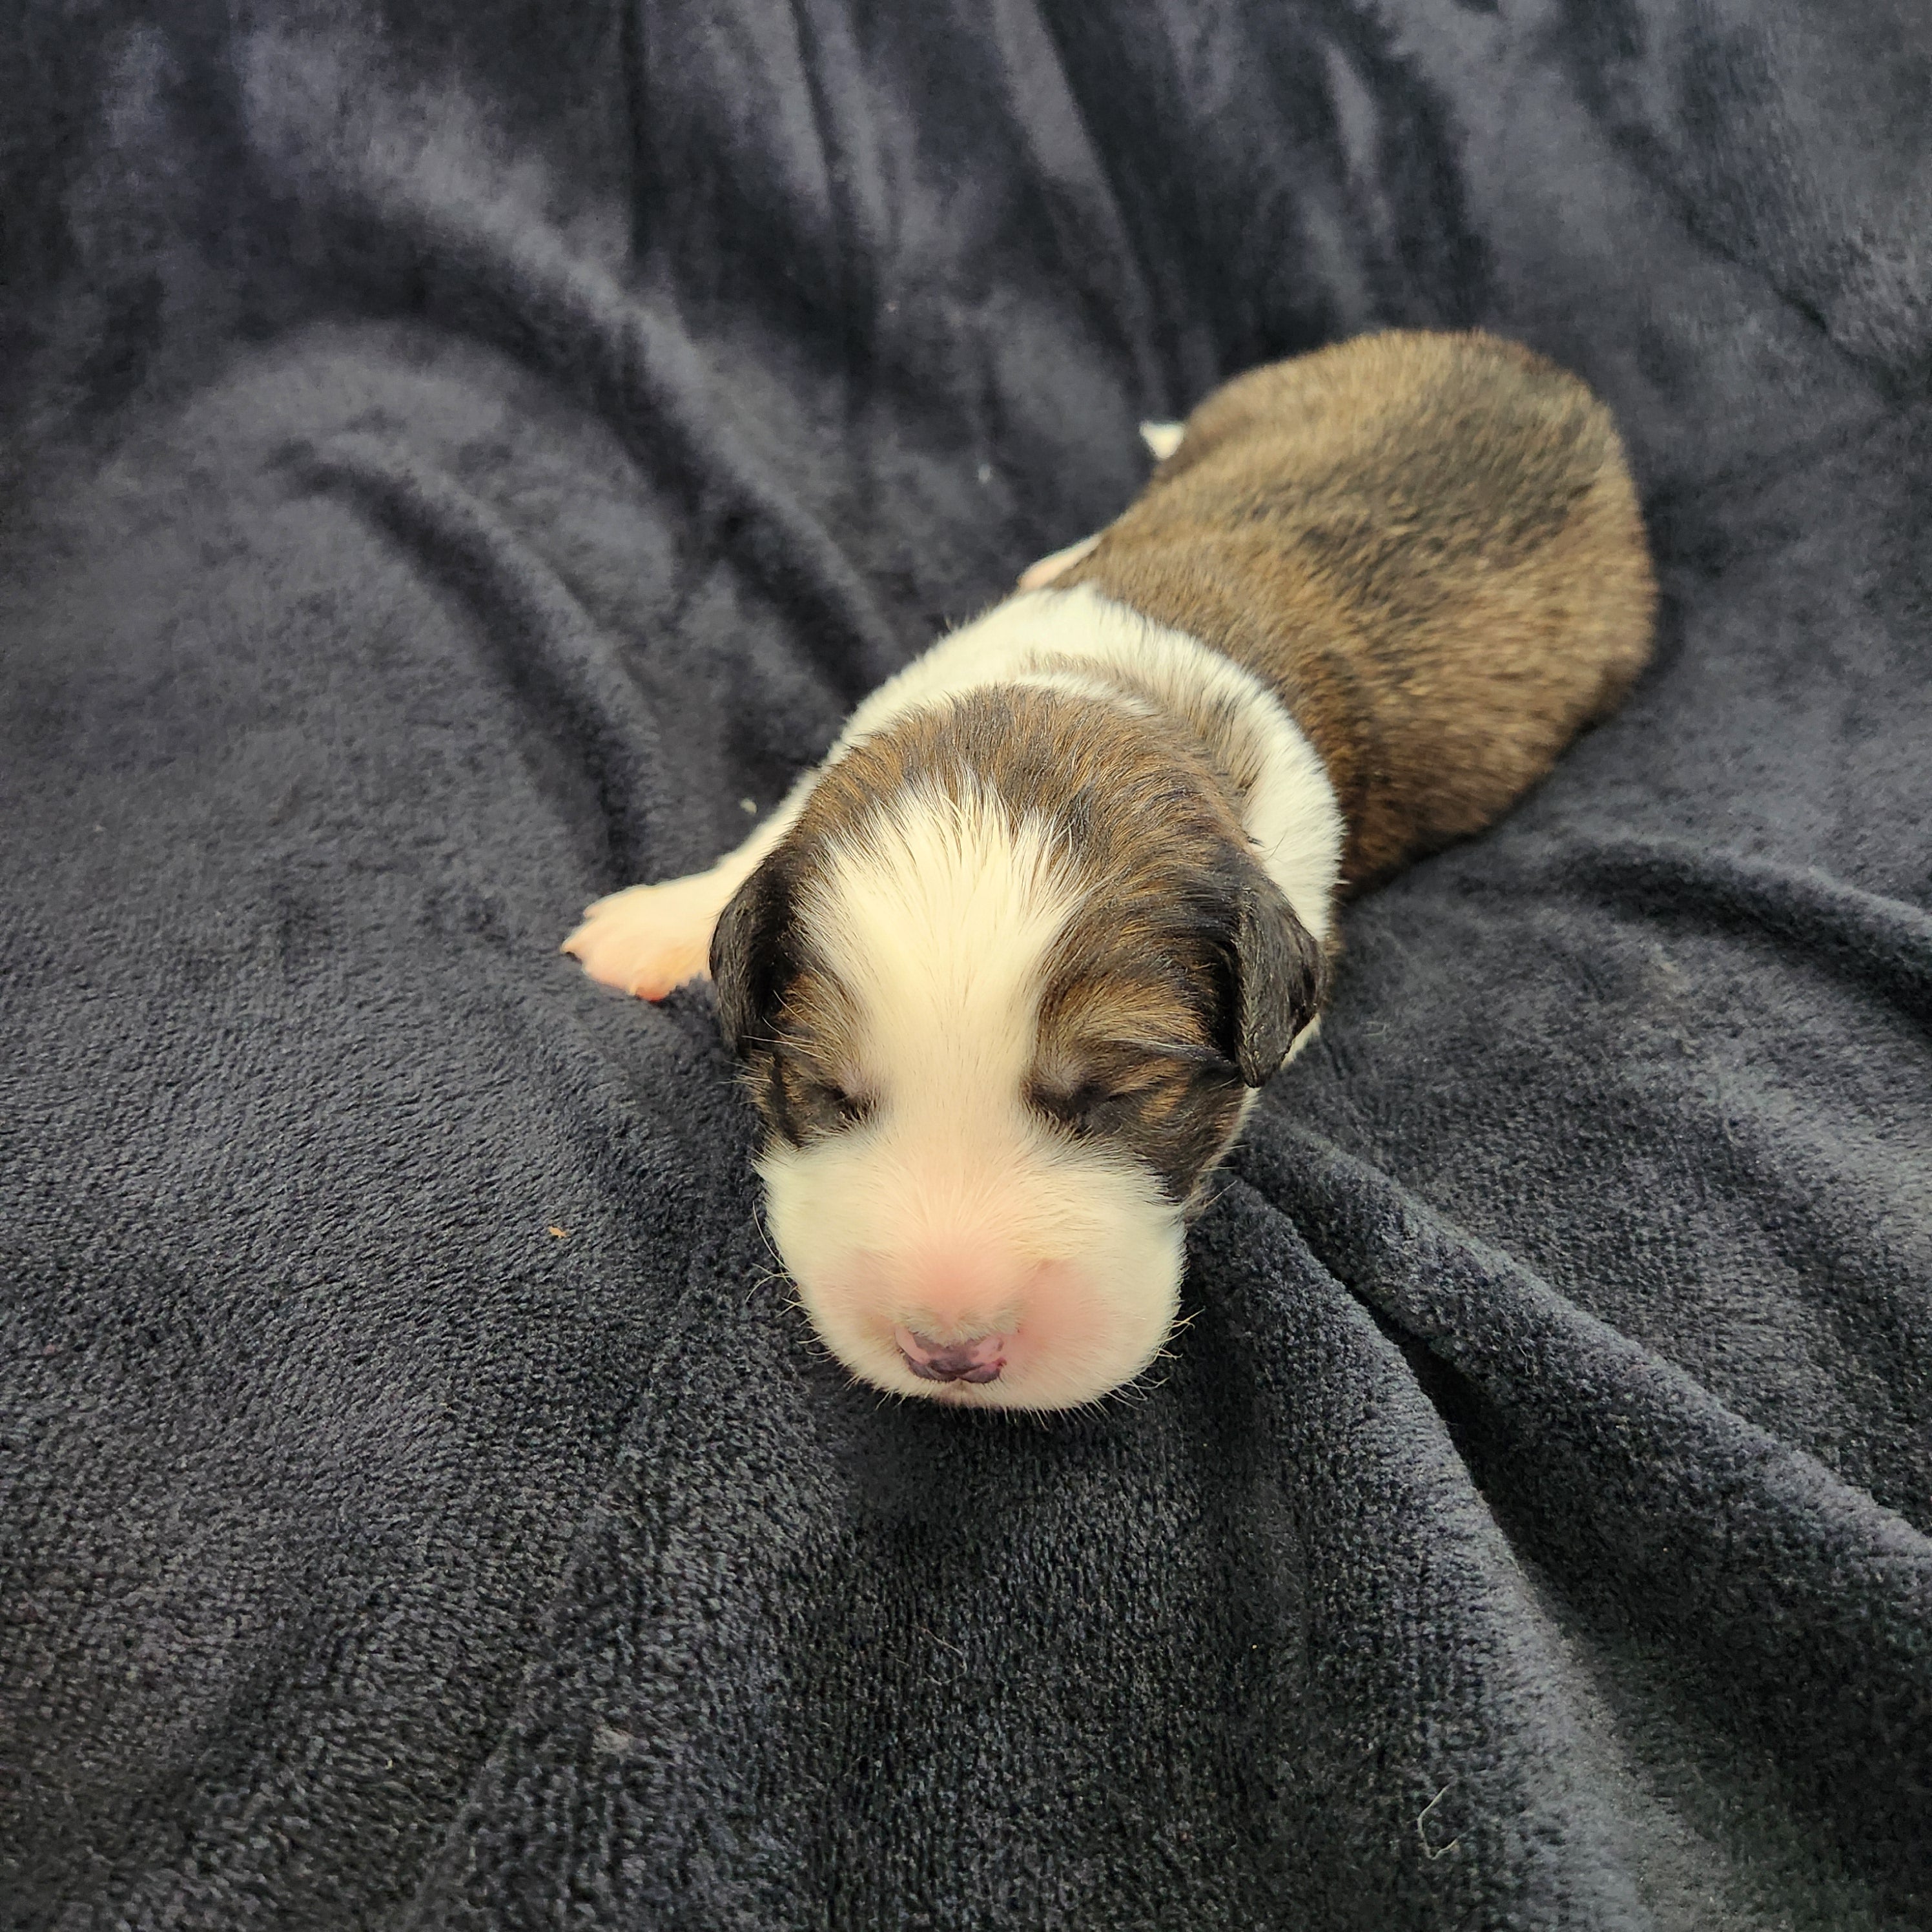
<point x="1290" y="811"/>
<point x="1162" y="439"/>
<point x="952" y="1210"/>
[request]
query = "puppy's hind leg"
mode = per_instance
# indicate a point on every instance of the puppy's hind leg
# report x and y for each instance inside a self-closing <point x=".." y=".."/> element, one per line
<point x="1037" y="576"/>
<point x="1162" y="439"/>
<point x="647" y="940"/>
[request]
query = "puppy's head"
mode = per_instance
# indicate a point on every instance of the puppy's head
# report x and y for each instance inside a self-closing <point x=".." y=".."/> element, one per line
<point x="1002" y="996"/>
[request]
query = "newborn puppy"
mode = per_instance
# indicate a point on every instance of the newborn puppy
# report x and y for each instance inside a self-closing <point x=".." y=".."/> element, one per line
<point x="1006" y="972"/>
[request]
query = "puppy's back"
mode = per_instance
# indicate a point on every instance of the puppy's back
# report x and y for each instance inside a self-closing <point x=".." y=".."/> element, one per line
<point x="1429" y="544"/>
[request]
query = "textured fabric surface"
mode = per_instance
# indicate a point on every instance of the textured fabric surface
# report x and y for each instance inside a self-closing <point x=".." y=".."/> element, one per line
<point x="459" y="459"/>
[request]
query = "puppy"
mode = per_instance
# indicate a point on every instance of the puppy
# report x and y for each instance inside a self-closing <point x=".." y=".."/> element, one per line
<point x="1006" y="972"/>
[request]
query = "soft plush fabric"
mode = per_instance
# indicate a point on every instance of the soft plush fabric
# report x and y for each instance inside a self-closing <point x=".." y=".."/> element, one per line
<point x="461" y="458"/>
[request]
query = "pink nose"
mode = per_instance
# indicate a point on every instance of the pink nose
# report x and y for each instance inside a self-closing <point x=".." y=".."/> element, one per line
<point x="976" y="1361"/>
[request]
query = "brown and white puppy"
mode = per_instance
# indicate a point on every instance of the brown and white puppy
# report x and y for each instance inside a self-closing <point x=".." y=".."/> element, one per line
<point x="1006" y="971"/>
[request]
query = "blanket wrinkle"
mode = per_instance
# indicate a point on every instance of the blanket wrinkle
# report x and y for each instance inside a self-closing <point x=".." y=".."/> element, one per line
<point x="1877" y="943"/>
<point x="458" y="232"/>
<point x="1717" y="1535"/>
<point x="597" y="711"/>
<point x="1755" y="122"/>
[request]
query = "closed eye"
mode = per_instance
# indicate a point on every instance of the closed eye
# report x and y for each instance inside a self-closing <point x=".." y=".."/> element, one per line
<point x="851" y="1108"/>
<point x="1128" y="1087"/>
<point x="808" y="1107"/>
<point x="833" y="1105"/>
<point x="1168" y="1104"/>
<point x="1173" y="1053"/>
<point x="1088" y="1108"/>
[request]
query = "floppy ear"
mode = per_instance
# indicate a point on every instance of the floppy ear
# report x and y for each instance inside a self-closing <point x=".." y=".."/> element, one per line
<point x="1281" y="977"/>
<point x="753" y="955"/>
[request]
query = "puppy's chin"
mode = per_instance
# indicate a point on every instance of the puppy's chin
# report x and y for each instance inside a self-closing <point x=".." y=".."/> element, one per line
<point x="1012" y="1273"/>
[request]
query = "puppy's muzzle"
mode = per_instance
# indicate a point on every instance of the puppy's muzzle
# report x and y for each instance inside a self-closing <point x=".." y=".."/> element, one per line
<point x="976" y="1361"/>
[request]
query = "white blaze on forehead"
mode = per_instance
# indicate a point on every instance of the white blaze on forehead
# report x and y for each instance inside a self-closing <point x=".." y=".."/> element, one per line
<point x="952" y="1211"/>
<point x="938" y="917"/>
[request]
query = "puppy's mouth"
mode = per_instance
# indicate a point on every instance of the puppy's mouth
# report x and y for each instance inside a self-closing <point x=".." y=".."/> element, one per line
<point x="971" y="1325"/>
<point x="983" y="1360"/>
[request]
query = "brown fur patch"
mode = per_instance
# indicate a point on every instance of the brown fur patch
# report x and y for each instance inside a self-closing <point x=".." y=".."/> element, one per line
<point x="1142" y="998"/>
<point x="1428" y="544"/>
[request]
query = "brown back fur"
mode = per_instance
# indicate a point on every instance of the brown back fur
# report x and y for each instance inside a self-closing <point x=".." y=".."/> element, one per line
<point x="1428" y="544"/>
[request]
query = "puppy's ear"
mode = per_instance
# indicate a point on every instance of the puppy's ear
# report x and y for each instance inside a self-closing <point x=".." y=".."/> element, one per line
<point x="753" y="955"/>
<point x="1281" y="975"/>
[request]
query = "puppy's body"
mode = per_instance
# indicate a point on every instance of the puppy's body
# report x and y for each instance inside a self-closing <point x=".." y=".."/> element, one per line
<point x="1006" y="971"/>
<point x="1427" y="546"/>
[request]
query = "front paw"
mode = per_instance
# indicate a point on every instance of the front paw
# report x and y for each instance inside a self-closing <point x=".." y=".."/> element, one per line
<point x="648" y="939"/>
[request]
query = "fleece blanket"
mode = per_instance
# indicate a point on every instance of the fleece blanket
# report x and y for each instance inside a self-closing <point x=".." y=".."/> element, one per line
<point x="461" y="458"/>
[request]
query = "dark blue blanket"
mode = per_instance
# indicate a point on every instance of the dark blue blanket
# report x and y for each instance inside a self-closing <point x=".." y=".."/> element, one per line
<point x="457" y="459"/>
